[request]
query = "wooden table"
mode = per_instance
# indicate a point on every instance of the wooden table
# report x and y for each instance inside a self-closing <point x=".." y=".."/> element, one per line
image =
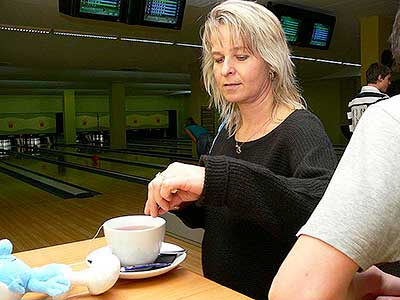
<point x="179" y="283"/>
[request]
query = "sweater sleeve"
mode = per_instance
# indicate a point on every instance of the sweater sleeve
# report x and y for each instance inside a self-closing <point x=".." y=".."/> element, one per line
<point x="192" y="215"/>
<point x="279" y="204"/>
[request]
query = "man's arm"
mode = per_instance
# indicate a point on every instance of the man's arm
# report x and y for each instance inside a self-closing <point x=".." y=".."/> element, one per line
<point x="314" y="270"/>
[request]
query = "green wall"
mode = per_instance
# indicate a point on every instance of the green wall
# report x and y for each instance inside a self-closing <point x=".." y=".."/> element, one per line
<point x="28" y="114"/>
<point x="30" y="104"/>
<point x="328" y="99"/>
<point x="158" y="103"/>
<point x="24" y="111"/>
<point x="92" y="104"/>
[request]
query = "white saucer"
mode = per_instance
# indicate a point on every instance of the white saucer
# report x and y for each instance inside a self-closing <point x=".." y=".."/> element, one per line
<point x="165" y="247"/>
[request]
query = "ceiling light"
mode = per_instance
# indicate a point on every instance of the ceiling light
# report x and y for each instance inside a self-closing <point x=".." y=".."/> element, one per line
<point x="302" y="58"/>
<point x="188" y="45"/>
<point x="24" y="29"/>
<point x="146" y="41"/>
<point x="85" y="35"/>
<point x="351" y="64"/>
<point x="327" y="61"/>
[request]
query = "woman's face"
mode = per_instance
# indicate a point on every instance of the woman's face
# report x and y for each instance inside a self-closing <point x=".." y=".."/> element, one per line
<point x="241" y="76"/>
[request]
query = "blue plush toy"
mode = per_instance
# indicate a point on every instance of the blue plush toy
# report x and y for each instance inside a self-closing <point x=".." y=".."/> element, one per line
<point x="17" y="278"/>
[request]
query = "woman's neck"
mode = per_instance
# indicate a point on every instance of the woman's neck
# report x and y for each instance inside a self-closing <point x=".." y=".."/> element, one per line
<point x="258" y="119"/>
<point x="254" y="114"/>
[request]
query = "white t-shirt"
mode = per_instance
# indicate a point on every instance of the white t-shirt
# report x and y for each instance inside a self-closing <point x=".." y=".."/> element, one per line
<point x="368" y="95"/>
<point x="359" y="213"/>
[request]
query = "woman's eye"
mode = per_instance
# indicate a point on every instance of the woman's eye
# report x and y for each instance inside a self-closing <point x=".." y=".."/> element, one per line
<point x="242" y="57"/>
<point x="219" y="60"/>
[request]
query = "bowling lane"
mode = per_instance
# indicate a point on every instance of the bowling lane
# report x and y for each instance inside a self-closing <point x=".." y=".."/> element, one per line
<point x="11" y="189"/>
<point x="96" y="139"/>
<point x="98" y="163"/>
<point x="33" y="218"/>
<point x="22" y="213"/>
<point x="127" y="156"/>
<point x="99" y="183"/>
<point x="163" y="148"/>
<point x="168" y="141"/>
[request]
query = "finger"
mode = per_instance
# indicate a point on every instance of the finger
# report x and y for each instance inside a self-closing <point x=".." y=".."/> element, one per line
<point x="151" y="204"/>
<point x="162" y="211"/>
<point x="160" y="202"/>
<point x="146" y="209"/>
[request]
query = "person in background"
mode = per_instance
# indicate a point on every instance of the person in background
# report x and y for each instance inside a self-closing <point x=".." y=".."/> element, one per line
<point x="199" y="135"/>
<point x="378" y="81"/>
<point x="356" y="224"/>
<point x="270" y="163"/>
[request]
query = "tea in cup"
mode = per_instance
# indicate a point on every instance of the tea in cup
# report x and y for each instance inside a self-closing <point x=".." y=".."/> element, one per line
<point x="135" y="239"/>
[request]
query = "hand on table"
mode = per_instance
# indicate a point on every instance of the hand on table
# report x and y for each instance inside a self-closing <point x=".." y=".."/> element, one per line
<point x="178" y="183"/>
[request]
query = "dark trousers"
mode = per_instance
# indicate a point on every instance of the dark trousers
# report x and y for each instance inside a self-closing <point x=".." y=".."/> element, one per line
<point x="204" y="143"/>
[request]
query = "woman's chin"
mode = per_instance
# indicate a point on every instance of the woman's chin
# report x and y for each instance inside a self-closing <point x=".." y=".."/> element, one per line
<point x="231" y="98"/>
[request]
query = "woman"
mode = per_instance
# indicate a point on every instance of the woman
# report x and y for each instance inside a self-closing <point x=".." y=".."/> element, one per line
<point x="269" y="165"/>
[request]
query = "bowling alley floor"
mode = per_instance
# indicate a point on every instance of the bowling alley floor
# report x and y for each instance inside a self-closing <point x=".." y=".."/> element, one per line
<point x="32" y="218"/>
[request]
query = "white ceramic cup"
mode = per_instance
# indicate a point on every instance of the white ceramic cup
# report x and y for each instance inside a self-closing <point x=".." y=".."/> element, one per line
<point x="140" y="245"/>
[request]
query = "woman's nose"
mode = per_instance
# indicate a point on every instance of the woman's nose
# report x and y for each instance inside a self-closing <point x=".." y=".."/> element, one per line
<point x="227" y="67"/>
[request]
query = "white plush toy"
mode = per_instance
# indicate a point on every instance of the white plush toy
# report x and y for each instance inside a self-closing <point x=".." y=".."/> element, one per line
<point x="17" y="278"/>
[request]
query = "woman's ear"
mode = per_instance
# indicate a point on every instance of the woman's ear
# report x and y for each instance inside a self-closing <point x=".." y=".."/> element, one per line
<point x="272" y="75"/>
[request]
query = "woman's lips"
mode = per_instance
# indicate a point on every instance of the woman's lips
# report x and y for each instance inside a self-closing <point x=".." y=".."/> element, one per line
<point x="231" y="86"/>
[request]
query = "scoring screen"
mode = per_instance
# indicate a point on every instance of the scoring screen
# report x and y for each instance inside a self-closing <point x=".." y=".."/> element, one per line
<point x="162" y="11"/>
<point x="320" y="35"/>
<point x="101" y="7"/>
<point x="291" y="28"/>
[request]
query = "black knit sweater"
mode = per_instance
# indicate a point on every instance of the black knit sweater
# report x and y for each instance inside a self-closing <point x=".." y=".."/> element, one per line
<point x="255" y="202"/>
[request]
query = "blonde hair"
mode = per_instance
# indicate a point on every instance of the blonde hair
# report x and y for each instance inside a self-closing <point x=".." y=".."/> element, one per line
<point x="261" y="33"/>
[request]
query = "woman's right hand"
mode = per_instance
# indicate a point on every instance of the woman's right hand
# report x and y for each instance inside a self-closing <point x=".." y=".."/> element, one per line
<point x="178" y="183"/>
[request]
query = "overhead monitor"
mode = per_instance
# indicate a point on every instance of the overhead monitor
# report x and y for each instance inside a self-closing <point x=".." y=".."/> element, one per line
<point x="305" y="28"/>
<point x="159" y="13"/>
<point x="291" y="28"/>
<point x="101" y="7"/>
<point x="320" y="35"/>
<point x="109" y="10"/>
<point x="162" y="11"/>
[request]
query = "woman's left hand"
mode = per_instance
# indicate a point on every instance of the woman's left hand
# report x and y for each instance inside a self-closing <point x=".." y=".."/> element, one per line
<point x="178" y="183"/>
